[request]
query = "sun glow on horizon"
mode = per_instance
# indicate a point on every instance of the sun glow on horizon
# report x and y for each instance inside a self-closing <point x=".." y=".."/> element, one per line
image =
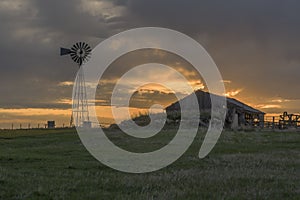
<point x="272" y="106"/>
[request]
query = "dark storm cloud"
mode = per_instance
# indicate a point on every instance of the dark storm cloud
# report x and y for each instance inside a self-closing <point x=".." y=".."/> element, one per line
<point x="31" y="33"/>
<point x="254" y="43"/>
<point x="68" y="18"/>
<point x="238" y="19"/>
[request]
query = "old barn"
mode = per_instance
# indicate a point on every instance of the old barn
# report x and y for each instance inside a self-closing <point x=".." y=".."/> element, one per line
<point x="238" y="113"/>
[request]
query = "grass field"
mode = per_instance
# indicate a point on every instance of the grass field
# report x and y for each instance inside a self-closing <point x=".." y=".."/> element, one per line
<point x="43" y="164"/>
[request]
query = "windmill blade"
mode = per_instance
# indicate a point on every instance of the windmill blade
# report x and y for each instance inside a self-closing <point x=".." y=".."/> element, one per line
<point x="85" y="45"/>
<point x="77" y="46"/>
<point x="64" y="51"/>
<point x="88" y="49"/>
<point x="80" y="61"/>
<point x="73" y="50"/>
<point x="75" y="58"/>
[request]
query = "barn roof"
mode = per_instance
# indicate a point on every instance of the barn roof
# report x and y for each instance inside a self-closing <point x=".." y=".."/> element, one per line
<point x="243" y="106"/>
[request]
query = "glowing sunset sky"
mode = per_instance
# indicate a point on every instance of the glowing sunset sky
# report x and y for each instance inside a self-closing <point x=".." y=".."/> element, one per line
<point x="254" y="43"/>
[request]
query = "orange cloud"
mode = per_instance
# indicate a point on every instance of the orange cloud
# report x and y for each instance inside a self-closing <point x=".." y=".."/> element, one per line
<point x="233" y="93"/>
<point x="66" y="83"/>
<point x="280" y="100"/>
<point x="35" y="111"/>
<point x="197" y="84"/>
<point x="267" y="106"/>
<point x="226" y="81"/>
<point x="65" y="101"/>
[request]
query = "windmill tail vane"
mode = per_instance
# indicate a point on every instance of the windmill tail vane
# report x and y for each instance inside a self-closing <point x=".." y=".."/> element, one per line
<point x="64" y="51"/>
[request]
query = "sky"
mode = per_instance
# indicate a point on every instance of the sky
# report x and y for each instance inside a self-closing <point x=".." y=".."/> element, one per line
<point x="254" y="43"/>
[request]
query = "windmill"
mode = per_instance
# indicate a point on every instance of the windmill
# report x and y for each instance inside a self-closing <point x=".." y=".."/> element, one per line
<point x="80" y="53"/>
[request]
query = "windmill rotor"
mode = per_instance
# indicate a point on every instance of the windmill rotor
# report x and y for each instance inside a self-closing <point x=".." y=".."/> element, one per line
<point x="79" y="52"/>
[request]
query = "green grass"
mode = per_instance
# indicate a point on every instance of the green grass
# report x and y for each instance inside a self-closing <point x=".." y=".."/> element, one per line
<point x="53" y="164"/>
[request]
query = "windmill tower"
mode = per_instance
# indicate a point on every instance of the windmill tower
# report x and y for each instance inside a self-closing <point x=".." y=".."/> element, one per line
<point x="80" y="53"/>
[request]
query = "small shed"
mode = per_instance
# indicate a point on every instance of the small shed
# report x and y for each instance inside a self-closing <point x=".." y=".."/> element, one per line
<point x="51" y="124"/>
<point x="87" y="124"/>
